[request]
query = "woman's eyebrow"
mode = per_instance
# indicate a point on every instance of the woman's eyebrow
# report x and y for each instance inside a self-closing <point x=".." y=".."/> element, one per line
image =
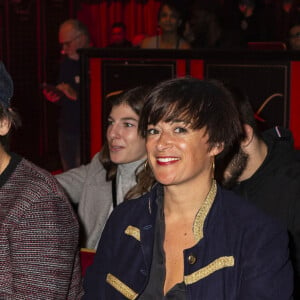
<point x="125" y="119"/>
<point x="180" y="121"/>
<point x="129" y="119"/>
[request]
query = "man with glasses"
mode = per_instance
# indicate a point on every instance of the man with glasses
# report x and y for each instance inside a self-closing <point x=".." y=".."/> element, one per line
<point x="72" y="36"/>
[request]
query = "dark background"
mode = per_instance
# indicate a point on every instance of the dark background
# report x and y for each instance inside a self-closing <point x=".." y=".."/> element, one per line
<point x="30" y="51"/>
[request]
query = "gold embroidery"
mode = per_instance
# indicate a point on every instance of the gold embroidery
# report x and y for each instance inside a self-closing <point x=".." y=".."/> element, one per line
<point x="87" y="250"/>
<point x="218" y="264"/>
<point x="203" y="211"/>
<point x="121" y="287"/>
<point x="134" y="232"/>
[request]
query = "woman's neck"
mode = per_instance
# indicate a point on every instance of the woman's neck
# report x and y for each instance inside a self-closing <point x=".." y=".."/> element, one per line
<point x="131" y="166"/>
<point x="186" y="199"/>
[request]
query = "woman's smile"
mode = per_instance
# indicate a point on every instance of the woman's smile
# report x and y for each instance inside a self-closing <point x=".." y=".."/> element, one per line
<point x="166" y="160"/>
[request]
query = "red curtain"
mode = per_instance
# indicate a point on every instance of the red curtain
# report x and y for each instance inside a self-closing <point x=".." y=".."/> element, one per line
<point x="140" y="17"/>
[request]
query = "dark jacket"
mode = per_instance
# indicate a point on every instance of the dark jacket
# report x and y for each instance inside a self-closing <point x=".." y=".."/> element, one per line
<point x="275" y="187"/>
<point x="240" y="253"/>
<point x="69" y="119"/>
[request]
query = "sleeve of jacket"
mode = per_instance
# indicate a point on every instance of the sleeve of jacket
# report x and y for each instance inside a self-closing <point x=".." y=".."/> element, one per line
<point x="295" y="241"/>
<point x="73" y="180"/>
<point x="95" y="278"/>
<point x="267" y="268"/>
<point x="43" y="252"/>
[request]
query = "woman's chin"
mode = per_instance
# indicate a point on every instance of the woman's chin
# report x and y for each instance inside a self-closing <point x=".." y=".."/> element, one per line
<point x="116" y="158"/>
<point x="166" y="180"/>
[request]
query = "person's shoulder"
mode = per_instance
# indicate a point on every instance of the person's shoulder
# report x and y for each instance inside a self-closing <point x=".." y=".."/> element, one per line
<point x="144" y="203"/>
<point x="138" y="202"/>
<point x="232" y="201"/>
<point x="149" y="42"/>
<point x="37" y="191"/>
<point x="67" y="62"/>
<point x="34" y="171"/>
<point x="38" y="181"/>
<point x="127" y="44"/>
<point x="282" y="153"/>
<point x="87" y="178"/>
<point x="278" y="133"/>
<point x="297" y="155"/>
<point x="184" y="45"/>
<point x="138" y="213"/>
<point x="96" y="164"/>
<point x="92" y="168"/>
<point x="243" y="213"/>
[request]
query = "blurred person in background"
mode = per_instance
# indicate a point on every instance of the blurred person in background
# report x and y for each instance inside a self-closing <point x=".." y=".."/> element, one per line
<point x="73" y="35"/>
<point x="294" y="37"/>
<point x="138" y="39"/>
<point x="170" y="22"/>
<point x="118" y="36"/>
<point x="205" y="28"/>
<point x="287" y="15"/>
<point x="250" y="17"/>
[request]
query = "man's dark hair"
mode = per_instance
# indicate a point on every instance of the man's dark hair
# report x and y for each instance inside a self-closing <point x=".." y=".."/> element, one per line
<point x="245" y="109"/>
<point x="246" y="115"/>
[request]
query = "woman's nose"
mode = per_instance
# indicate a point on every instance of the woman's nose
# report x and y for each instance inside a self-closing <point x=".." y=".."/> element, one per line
<point x="164" y="141"/>
<point x="113" y="131"/>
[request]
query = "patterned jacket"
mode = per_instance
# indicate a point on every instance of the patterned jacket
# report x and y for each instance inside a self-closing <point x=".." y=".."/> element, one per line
<point x="39" y="256"/>
<point x="239" y="254"/>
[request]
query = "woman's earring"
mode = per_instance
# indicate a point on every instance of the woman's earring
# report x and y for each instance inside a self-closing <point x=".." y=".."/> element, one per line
<point x="213" y="168"/>
<point x="145" y="164"/>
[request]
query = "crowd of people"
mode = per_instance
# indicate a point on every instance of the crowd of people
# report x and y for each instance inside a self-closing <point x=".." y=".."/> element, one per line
<point x="155" y="203"/>
<point x="181" y="202"/>
<point x="187" y="237"/>
<point x="203" y="25"/>
<point x="211" y="24"/>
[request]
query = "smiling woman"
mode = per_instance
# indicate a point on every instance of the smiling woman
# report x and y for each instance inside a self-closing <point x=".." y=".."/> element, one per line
<point x="188" y="238"/>
<point x="176" y="153"/>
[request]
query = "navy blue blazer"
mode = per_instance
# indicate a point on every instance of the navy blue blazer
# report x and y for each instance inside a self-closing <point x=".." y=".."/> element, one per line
<point x="240" y="253"/>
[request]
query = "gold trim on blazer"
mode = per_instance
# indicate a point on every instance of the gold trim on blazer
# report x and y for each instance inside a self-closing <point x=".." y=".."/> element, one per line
<point x="134" y="232"/>
<point x="203" y="211"/>
<point x="121" y="287"/>
<point x="218" y="264"/>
